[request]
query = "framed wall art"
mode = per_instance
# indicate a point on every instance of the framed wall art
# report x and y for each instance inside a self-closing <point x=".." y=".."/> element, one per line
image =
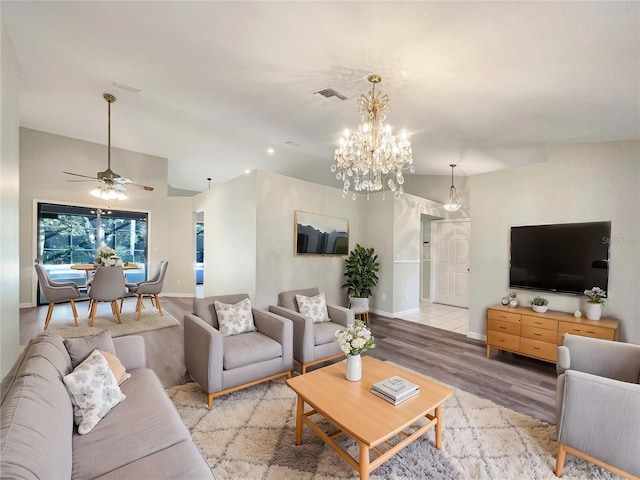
<point x="316" y="234"/>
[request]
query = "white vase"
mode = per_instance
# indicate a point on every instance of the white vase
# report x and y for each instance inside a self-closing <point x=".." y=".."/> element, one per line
<point x="354" y="368"/>
<point x="593" y="311"/>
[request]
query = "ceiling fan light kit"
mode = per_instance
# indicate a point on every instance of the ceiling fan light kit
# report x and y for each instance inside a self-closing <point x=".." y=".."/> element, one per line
<point x="372" y="159"/>
<point x="453" y="205"/>
<point x="111" y="185"/>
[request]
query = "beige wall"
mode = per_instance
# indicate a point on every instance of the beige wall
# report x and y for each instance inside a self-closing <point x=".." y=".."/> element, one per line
<point x="43" y="157"/>
<point x="9" y="201"/>
<point x="278" y="269"/>
<point x="579" y="183"/>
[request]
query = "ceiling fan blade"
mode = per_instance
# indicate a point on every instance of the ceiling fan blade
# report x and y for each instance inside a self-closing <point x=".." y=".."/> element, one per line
<point x="141" y="187"/>
<point x="88" y="180"/>
<point x="79" y="175"/>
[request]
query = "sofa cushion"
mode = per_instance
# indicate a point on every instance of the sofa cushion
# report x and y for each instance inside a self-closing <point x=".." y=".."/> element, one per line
<point x="288" y="299"/>
<point x="325" y="332"/>
<point x="80" y="348"/>
<point x="235" y="319"/>
<point x="249" y="348"/>
<point x="94" y="391"/>
<point x="144" y="424"/>
<point x="116" y="367"/>
<point x="36" y="420"/>
<point x="314" y="307"/>
<point x="177" y="461"/>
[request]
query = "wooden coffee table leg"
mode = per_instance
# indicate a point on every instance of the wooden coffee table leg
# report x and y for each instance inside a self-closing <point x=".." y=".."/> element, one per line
<point x="299" y="413"/>
<point x="364" y="462"/>
<point x="439" y="427"/>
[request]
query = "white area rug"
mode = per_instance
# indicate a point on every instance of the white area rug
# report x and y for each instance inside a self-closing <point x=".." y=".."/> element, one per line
<point x="250" y="434"/>
<point x="150" y="319"/>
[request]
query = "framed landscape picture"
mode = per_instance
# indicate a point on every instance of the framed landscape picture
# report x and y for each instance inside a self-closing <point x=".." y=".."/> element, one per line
<point x="316" y="234"/>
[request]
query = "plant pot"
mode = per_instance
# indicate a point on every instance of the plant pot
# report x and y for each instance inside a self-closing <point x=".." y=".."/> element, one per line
<point x="540" y="308"/>
<point x="353" y="373"/>
<point x="359" y="304"/>
<point x="593" y="311"/>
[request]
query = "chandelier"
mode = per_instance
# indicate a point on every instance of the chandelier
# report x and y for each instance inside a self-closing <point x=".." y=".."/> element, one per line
<point x="453" y="205"/>
<point x="371" y="158"/>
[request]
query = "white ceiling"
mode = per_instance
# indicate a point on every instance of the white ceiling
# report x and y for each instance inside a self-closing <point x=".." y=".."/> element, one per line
<point x="486" y="85"/>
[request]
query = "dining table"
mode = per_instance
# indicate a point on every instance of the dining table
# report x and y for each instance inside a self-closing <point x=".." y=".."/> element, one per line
<point x="87" y="267"/>
<point x="90" y="267"/>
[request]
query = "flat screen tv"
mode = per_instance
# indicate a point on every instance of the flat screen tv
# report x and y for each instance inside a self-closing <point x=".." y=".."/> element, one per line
<point x="564" y="258"/>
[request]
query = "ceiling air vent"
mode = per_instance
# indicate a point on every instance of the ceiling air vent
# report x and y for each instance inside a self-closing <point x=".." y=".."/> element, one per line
<point x="330" y="92"/>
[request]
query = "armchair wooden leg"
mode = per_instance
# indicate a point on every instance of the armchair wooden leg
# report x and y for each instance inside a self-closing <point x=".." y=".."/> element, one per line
<point x="114" y="306"/>
<point x="158" y="303"/>
<point x="92" y="313"/>
<point x="210" y="400"/>
<point x="75" y="312"/>
<point x="49" y="312"/>
<point x="121" y="303"/>
<point x="560" y="460"/>
<point x="139" y="306"/>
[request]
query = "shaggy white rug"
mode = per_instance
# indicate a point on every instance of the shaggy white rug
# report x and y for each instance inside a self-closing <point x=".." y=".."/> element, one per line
<point x="250" y="434"/>
<point x="150" y="319"/>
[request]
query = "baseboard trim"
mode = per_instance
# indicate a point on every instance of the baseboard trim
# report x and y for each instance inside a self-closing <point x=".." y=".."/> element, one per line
<point x="477" y="336"/>
<point x="25" y="305"/>
<point x="396" y="314"/>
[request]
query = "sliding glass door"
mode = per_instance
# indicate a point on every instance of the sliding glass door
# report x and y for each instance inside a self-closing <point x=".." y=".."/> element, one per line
<point x="70" y="234"/>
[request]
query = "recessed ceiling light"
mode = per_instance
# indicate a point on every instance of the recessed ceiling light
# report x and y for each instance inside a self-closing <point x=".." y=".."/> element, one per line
<point x="247" y="170"/>
<point x="270" y="151"/>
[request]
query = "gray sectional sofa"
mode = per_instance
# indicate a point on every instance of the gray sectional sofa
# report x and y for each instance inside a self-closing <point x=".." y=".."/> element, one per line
<point x="143" y="437"/>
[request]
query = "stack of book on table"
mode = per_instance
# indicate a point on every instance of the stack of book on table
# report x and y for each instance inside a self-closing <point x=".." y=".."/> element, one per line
<point x="395" y="389"/>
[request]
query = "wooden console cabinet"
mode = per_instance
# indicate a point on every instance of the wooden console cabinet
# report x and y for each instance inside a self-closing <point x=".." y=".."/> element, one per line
<point x="523" y="331"/>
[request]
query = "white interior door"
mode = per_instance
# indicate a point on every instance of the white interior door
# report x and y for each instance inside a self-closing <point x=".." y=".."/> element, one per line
<point x="452" y="262"/>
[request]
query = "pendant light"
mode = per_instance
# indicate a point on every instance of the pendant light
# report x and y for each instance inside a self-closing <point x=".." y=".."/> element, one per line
<point x="453" y="205"/>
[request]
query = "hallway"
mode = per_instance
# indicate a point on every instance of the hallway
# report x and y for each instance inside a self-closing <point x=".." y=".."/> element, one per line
<point x="445" y="317"/>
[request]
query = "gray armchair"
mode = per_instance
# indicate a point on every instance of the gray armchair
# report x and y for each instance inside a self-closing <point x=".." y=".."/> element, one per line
<point x="598" y="403"/>
<point x="313" y="343"/>
<point x="107" y="286"/>
<point x="224" y="364"/>
<point x="57" y="292"/>
<point x="151" y="287"/>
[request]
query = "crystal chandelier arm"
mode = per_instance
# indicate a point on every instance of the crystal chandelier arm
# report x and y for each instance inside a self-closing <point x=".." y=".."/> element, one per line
<point x="371" y="157"/>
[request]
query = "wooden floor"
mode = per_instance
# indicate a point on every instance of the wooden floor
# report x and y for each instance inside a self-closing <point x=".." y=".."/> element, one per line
<point x="520" y="383"/>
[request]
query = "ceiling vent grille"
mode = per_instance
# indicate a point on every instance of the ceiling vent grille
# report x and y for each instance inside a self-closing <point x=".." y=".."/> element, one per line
<point x="330" y="92"/>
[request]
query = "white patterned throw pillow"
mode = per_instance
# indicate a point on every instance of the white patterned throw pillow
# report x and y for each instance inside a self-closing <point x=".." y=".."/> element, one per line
<point x="234" y="319"/>
<point x="94" y="391"/>
<point x="314" y="307"/>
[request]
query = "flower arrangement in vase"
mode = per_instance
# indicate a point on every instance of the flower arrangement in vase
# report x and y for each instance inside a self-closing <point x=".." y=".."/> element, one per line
<point x="595" y="303"/>
<point x="354" y="340"/>
<point x="107" y="256"/>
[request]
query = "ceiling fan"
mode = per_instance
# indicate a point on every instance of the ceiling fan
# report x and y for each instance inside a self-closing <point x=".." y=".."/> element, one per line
<point x="111" y="185"/>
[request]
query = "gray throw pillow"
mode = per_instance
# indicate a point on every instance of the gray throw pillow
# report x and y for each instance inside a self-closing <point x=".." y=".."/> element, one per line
<point x="80" y="348"/>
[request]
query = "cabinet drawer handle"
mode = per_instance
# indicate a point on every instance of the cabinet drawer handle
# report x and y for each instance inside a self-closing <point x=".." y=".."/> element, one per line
<point x="536" y="348"/>
<point x="589" y="331"/>
<point x="538" y="334"/>
<point x="503" y="316"/>
<point x="538" y="323"/>
<point x="576" y="330"/>
<point x="503" y="328"/>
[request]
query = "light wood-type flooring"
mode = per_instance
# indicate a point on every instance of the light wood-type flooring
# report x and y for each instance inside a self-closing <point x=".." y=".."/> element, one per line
<point x="520" y="383"/>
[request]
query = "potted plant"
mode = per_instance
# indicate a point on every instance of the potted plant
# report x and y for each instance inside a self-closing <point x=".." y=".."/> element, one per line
<point x="595" y="303"/>
<point x="539" y="304"/>
<point x="361" y="269"/>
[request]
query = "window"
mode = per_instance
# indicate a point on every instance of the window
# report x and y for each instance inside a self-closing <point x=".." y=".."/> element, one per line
<point x="69" y="234"/>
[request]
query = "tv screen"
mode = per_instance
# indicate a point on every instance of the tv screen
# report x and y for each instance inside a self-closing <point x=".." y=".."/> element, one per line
<point x="565" y="258"/>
